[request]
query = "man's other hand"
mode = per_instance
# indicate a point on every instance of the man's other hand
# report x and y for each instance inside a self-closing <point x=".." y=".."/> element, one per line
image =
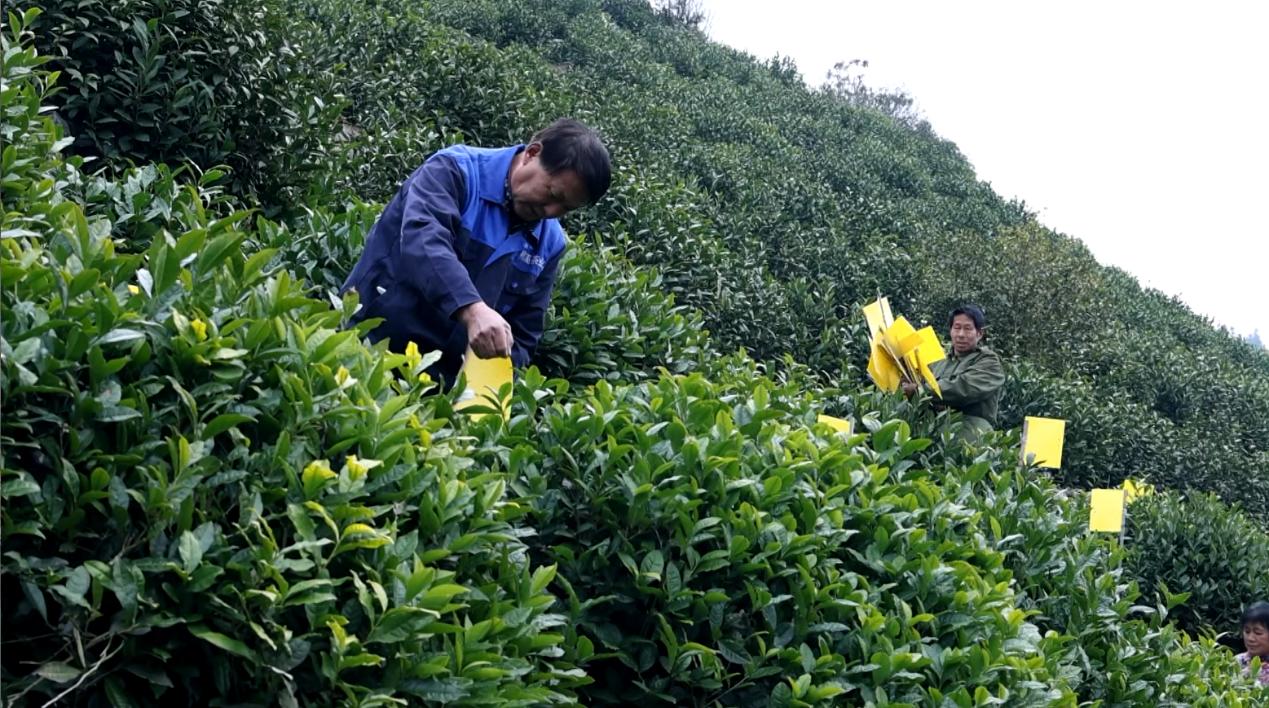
<point x="488" y="334"/>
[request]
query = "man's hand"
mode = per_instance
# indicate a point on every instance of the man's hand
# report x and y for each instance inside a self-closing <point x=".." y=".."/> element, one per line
<point x="488" y="334"/>
<point x="909" y="388"/>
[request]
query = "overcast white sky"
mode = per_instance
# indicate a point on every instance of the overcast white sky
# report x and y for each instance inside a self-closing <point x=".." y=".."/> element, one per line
<point x="1141" y="128"/>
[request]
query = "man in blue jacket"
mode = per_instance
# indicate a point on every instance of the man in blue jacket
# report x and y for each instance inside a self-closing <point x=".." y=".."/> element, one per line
<point x="467" y="251"/>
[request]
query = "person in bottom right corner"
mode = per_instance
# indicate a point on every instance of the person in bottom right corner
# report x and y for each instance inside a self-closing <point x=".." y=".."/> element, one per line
<point x="1256" y="639"/>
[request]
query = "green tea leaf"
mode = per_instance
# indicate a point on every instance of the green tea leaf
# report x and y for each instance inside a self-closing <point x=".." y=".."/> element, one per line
<point x="223" y="642"/>
<point x="119" y="336"/>
<point x="58" y="672"/>
<point x="191" y="551"/>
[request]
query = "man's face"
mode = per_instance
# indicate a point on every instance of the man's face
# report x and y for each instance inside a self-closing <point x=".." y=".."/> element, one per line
<point x="1256" y="637"/>
<point x="964" y="334"/>
<point x="537" y="194"/>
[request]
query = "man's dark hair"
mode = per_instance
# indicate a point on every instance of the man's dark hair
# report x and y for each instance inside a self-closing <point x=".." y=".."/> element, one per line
<point x="973" y="312"/>
<point x="568" y="144"/>
<point x="1257" y="613"/>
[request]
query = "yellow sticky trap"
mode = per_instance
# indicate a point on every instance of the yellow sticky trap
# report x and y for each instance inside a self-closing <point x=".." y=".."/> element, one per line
<point x="910" y="347"/>
<point x="927" y="350"/>
<point x="877" y="314"/>
<point x="1136" y="490"/>
<point x="899" y="332"/>
<point x="1042" y="439"/>
<point x="883" y="369"/>
<point x="841" y="426"/>
<point x="931" y="380"/>
<point x="900" y="352"/>
<point x="922" y="345"/>
<point x="485" y="378"/>
<point x="930" y="349"/>
<point x="1107" y="510"/>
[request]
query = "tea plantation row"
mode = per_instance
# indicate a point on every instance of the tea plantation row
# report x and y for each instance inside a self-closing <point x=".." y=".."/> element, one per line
<point x="214" y="492"/>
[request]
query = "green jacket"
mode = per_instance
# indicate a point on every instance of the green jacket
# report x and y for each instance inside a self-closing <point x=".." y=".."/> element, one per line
<point x="971" y="384"/>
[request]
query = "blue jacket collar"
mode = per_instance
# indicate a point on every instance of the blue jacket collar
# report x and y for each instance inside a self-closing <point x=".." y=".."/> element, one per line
<point x="493" y="174"/>
<point x="495" y="187"/>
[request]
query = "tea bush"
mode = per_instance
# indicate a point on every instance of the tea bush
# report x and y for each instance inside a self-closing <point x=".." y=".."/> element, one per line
<point x="210" y="82"/>
<point x="1111" y="437"/>
<point x="212" y="493"/>
<point x="773" y="210"/>
<point x="611" y="321"/>
<point x="1118" y="650"/>
<point x="1215" y="553"/>
<point x="718" y="550"/>
<point x="717" y="546"/>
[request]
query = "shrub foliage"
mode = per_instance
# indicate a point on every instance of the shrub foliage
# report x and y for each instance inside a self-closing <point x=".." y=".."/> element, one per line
<point x="217" y="492"/>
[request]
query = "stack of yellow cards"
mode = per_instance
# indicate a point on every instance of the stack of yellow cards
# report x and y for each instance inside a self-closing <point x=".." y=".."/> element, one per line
<point x="485" y="379"/>
<point x="899" y="351"/>
<point x="1042" y="440"/>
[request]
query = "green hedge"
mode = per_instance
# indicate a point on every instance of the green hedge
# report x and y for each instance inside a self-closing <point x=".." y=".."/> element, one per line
<point x="206" y="81"/>
<point x="717" y="549"/>
<point x="1198" y="545"/>
<point x="222" y="496"/>
<point x="213" y="494"/>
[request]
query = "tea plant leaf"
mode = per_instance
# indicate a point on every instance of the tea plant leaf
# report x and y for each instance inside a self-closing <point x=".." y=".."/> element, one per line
<point x="58" y="672"/>
<point x="223" y="642"/>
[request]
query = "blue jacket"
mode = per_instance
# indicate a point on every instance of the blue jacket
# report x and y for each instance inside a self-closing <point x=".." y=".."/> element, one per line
<point x="446" y="241"/>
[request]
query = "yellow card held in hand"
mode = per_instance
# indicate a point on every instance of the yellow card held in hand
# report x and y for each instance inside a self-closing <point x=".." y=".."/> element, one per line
<point x="930" y="349"/>
<point x="893" y="338"/>
<point x="883" y="369"/>
<point x="1107" y="510"/>
<point x="877" y="315"/>
<point x="927" y="351"/>
<point x="485" y="378"/>
<point x="1043" y="437"/>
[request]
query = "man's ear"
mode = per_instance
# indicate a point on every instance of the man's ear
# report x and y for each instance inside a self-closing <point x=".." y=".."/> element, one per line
<point x="533" y="150"/>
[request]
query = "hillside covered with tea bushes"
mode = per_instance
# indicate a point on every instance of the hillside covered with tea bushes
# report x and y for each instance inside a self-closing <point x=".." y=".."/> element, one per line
<point x="215" y="492"/>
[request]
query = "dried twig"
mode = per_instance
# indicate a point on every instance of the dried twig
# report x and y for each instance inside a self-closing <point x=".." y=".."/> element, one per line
<point x="82" y="677"/>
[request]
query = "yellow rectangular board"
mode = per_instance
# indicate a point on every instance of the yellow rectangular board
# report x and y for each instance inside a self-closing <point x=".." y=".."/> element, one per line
<point x="930" y="349"/>
<point x="893" y="337"/>
<point x="877" y="315"/>
<point x="922" y="345"/>
<point x="1043" y="437"/>
<point x="883" y="369"/>
<point x="842" y="426"/>
<point x="485" y="378"/>
<point x="927" y="351"/>
<point x="931" y="380"/>
<point x="1106" y="511"/>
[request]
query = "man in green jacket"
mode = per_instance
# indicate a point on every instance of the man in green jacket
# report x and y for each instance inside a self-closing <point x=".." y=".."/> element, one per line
<point x="971" y="377"/>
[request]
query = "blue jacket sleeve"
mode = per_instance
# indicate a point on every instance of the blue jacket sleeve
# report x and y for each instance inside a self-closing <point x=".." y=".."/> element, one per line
<point x="431" y="216"/>
<point x="528" y="316"/>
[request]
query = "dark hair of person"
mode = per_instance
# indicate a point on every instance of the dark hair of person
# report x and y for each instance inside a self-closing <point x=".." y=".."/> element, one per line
<point x="973" y="312"/>
<point x="1257" y="613"/>
<point x="567" y="144"/>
